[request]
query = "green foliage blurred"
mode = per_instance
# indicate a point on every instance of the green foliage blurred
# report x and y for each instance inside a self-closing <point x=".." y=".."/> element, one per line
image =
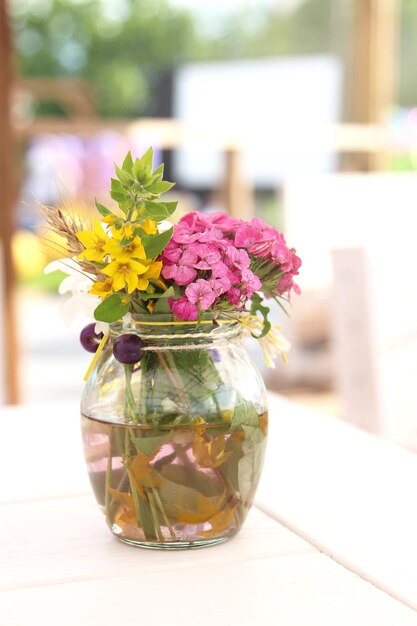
<point x="126" y="47"/>
<point x="120" y="46"/>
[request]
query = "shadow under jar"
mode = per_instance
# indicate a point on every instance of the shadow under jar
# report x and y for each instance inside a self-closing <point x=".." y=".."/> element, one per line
<point x="175" y="443"/>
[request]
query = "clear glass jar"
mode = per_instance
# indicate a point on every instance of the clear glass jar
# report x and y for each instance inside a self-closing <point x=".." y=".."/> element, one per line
<point x="174" y="445"/>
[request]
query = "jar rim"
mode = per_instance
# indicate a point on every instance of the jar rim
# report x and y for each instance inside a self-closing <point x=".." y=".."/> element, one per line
<point x="166" y="326"/>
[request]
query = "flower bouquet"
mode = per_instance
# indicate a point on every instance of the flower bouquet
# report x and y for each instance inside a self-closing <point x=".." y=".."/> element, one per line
<point x="174" y="414"/>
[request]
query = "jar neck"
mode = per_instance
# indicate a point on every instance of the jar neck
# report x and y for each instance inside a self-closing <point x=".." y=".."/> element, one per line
<point x="165" y="329"/>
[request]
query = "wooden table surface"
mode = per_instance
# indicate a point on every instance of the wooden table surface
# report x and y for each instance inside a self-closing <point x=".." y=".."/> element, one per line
<point x="349" y="494"/>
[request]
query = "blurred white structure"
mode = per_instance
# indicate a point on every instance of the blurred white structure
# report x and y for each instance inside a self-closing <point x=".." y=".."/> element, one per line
<point x="275" y="108"/>
<point x="367" y="222"/>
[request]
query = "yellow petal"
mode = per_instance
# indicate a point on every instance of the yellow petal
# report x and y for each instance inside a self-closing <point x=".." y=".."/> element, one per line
<point x="98" y="229"/>
<point x="138" y="251"/>
<point x="118" y="281"/>
<point x="143" y="473"/>
<point x="154" y="270"/>
<point x="129" y="230"/>
<point x="219" y="523"/>
<point x="123" y="498"/>
<point x="117" y="233"/>
<point x="205" y="509"/>
<point x="137" y="267"/>
<point x="109" y="219"/>
<point x="132" y="281"/>
<point x="87" y="238"/>
<point x="102" y="289"/>
<point x="113" y="247"/>
<point x="209" y="451"/>
<point x="93" y="254"/>
<point x="142" y="283"/>
<point x="149" y="226"/>
<point x="111" y="268"/>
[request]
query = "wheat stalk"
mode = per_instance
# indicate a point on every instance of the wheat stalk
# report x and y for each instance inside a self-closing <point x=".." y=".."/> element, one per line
<point x="67" y="226"/>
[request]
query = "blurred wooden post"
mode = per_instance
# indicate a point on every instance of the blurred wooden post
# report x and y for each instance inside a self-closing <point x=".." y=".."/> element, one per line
<point x="7" y="198"/>
<point x="237" y="190"/>
<point x="373" y="69"/>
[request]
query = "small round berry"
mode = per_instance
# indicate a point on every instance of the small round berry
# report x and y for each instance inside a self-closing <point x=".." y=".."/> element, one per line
<point x="89" y="339"/>
<point x="127" y="349"/>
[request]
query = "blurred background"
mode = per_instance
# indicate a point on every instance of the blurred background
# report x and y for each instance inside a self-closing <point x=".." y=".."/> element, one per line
<point x="302" y="112"/>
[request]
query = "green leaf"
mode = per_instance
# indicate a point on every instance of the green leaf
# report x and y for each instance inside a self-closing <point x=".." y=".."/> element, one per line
<point x="118" y="192"/>
<point x="102" y="209"/>
<point x="171" y="206"/>
<point x="155" y="210"/>
<point x="124" y="177"/>
<point x="139" y="170"/>
<point x="151" y="296"/>
<point x="125" y="205"/>
<point x="161" y="305"/>
<point x="128" y="163"/>
<point x="278" y="301"/>
<point x="245" y="413"/>
<point x="250" y="465"/>
<point x="118" y="196"/>
<point x="256" y="305"/>
<point x="139" y="307"/>
<point x="179" y="478"/>
<point x="116" y="185"/>
<point x="154" y="244"/>
<point x="111" y="309"/>
<point x="158" y="173"/>
<point x="160" y="187"/>
<point x="149" y="445"/>
<point x="147" y="161"/>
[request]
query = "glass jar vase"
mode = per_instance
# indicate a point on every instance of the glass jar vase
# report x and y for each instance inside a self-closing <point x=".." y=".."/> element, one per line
<point x="174" y="443"/>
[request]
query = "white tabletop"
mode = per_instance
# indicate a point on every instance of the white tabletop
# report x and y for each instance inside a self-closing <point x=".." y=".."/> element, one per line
<point x="59" y="564"/>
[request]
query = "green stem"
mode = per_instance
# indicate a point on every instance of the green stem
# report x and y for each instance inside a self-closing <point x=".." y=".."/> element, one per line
<point x="155" y="516"/>
<point x="145" y="373"/>
<point x="164" y="515"/>
<point x="126" y="462"/>
<point x="170" y="368"/>
<point x="135" y="497"/>
<point x="130" y="404"/>
<point x="144" y="517"/>
<point x="107" y="498"/>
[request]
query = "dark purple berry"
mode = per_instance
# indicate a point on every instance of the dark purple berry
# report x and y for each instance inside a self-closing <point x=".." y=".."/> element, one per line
<point x="127" y="349"/>
<point x="89" y="338"/>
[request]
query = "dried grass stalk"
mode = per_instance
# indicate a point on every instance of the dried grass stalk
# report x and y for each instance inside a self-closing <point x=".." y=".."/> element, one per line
<point x="66" y="226"/>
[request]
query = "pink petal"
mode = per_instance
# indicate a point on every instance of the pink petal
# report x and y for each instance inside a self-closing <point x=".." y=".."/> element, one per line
<point x="183" y="309"/>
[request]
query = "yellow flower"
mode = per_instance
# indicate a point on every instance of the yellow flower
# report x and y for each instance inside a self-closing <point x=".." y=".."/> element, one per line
<point x="134" y="250"/>
<point x="209" y="451"/>
<point x="126" y="231"/>
<point x="110" y="219"/>
<point x="102" y="289"/>
<point x="153" y="271"/>
<point x="272" y="344"/>
<point x="149" y="226"/>
<point x="93" y="242"/>
<point x="125" y="272"/>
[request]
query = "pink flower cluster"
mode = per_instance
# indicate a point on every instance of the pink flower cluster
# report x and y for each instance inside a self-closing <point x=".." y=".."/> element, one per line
<point x="212" y="258"/>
